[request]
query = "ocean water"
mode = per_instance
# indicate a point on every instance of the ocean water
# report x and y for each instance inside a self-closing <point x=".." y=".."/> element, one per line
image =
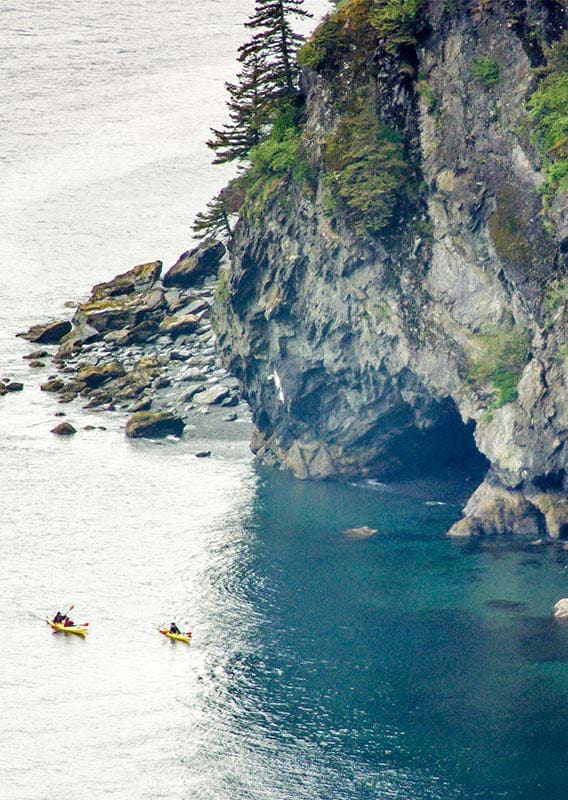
<point x="323" y="666"/>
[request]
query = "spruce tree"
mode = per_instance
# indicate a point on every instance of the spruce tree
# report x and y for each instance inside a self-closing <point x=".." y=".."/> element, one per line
<point x="278" y="42"/>
<point x="268" y="78"/>
<point x="215" y="221"/>
<point x="247" y="112"/>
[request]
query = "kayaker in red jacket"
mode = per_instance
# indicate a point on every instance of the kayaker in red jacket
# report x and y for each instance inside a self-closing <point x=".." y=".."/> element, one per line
<point x="68" y="623"/>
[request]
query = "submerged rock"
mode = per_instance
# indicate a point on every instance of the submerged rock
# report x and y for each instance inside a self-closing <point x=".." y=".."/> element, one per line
<point x="561" y="609"/>
<point x="154" y="425"/>
<point x="363" y="532"/>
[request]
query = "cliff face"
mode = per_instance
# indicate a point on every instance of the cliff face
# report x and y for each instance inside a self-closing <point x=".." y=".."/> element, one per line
<point x="440" y="334"/>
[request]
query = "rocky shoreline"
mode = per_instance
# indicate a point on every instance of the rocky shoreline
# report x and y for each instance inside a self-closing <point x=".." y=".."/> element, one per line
<point x="144" y="345"/>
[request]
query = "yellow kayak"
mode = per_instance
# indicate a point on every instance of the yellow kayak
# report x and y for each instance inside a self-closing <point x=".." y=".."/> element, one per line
<point x="78" y="630"/>
<point x="178" y="637"/>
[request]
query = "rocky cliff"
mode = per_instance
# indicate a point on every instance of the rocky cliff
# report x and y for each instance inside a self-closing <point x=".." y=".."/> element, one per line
<point x="398" y="300"/>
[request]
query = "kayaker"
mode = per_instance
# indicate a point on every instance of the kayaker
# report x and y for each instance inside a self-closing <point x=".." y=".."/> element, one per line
<point x="59" y="617"/>
<point x="68" y="623"/>
<point x="174" y="628"/>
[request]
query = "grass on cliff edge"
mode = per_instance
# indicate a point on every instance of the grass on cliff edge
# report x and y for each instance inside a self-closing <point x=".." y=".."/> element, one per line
<point x="499" y="360"/>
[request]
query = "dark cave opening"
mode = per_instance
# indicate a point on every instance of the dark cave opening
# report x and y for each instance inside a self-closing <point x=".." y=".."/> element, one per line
<point x="446" y="444"/>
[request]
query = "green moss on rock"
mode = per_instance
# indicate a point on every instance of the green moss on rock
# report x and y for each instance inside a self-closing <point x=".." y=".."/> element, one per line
<point x="367" y="171"/>
<point x="497" y="361"/>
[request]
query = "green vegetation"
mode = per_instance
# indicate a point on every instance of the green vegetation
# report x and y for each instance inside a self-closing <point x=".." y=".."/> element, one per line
<point x="555" y="297"/>
<point x="508" y="232"/>
<point x="486" y="70"/>
<point x="223" y="288"/>
<point x="367" y="170"/>
<point x="216" y="222"/>
<point x="548" y="108"/>
<point x="264" y="115"/>
<point x="345" y="30"/>
<point x="499" y="362"/>
<point x="396" y="21"/>
<point x="360" y="26"/>
<point x="268" y="78"/>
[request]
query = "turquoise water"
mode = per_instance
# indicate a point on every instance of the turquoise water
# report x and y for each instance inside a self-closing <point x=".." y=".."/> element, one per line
<point x="388" y="663"/>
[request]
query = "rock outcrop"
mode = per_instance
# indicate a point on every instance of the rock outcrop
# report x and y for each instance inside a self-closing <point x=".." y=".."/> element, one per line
<point x="133" y="346"/>
<point x="435" y="330"/>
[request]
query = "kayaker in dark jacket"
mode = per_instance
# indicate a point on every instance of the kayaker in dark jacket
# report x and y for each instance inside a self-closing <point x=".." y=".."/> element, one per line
<point x="174" y="628"/>
<point x="59" y="617"/>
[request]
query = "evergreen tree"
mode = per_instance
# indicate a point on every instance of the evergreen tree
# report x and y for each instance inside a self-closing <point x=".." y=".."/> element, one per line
<point x="247" y="112"/>
<point x="268" y="78"/>
<point x="215" y="221"/>
<point x="275" y="38"/>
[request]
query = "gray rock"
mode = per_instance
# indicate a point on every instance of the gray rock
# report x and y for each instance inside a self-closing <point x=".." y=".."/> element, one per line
<point x="154" y="425"/>
<point x="212" y="396"/>
<point x="50" y="333"/>
<point x="195" y="265"/>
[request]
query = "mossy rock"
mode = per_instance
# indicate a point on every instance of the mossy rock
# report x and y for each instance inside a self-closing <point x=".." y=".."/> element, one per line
<point x="154" y="425"/>
<point x="141" y="276"/>
<point x="117" y="312"/>
<point x="179" y="324"/>
<point x="50" y="333"/>
<point x="95" y="375"/>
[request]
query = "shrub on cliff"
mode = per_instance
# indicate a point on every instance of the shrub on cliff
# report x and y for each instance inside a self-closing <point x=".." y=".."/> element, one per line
<point x="499" y="360"/>
<point x="486" y="70"/>
<point x="548" y="108"/>
<point x="367" y="171"/>
<point x="357" y="27"/>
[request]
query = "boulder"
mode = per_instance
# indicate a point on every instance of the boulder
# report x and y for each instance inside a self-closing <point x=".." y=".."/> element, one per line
<point x="37" y="364"/>
<point x="195" y="265"/>
<point x="80" y="335"/>
<point x="50" y="333"/>
<point x="561" y="609"/>
<point x="37" y="354"/>
<point x="179" y="324"/>
<point x="134" y="280"/>
<point x="64" y="429"/>
<point x="53" y="385"/>
<point x="95" y="375"/>
<point x="120" y="311"/>
<point x="203" y="454"/>
<point x="154" y="425"/>
<point x="213" y="396"/>
<point x="144" y="404"/>
<point x="117" y="338"/>
<point x="496" y="510"/>
<point x="15" y="386"/>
